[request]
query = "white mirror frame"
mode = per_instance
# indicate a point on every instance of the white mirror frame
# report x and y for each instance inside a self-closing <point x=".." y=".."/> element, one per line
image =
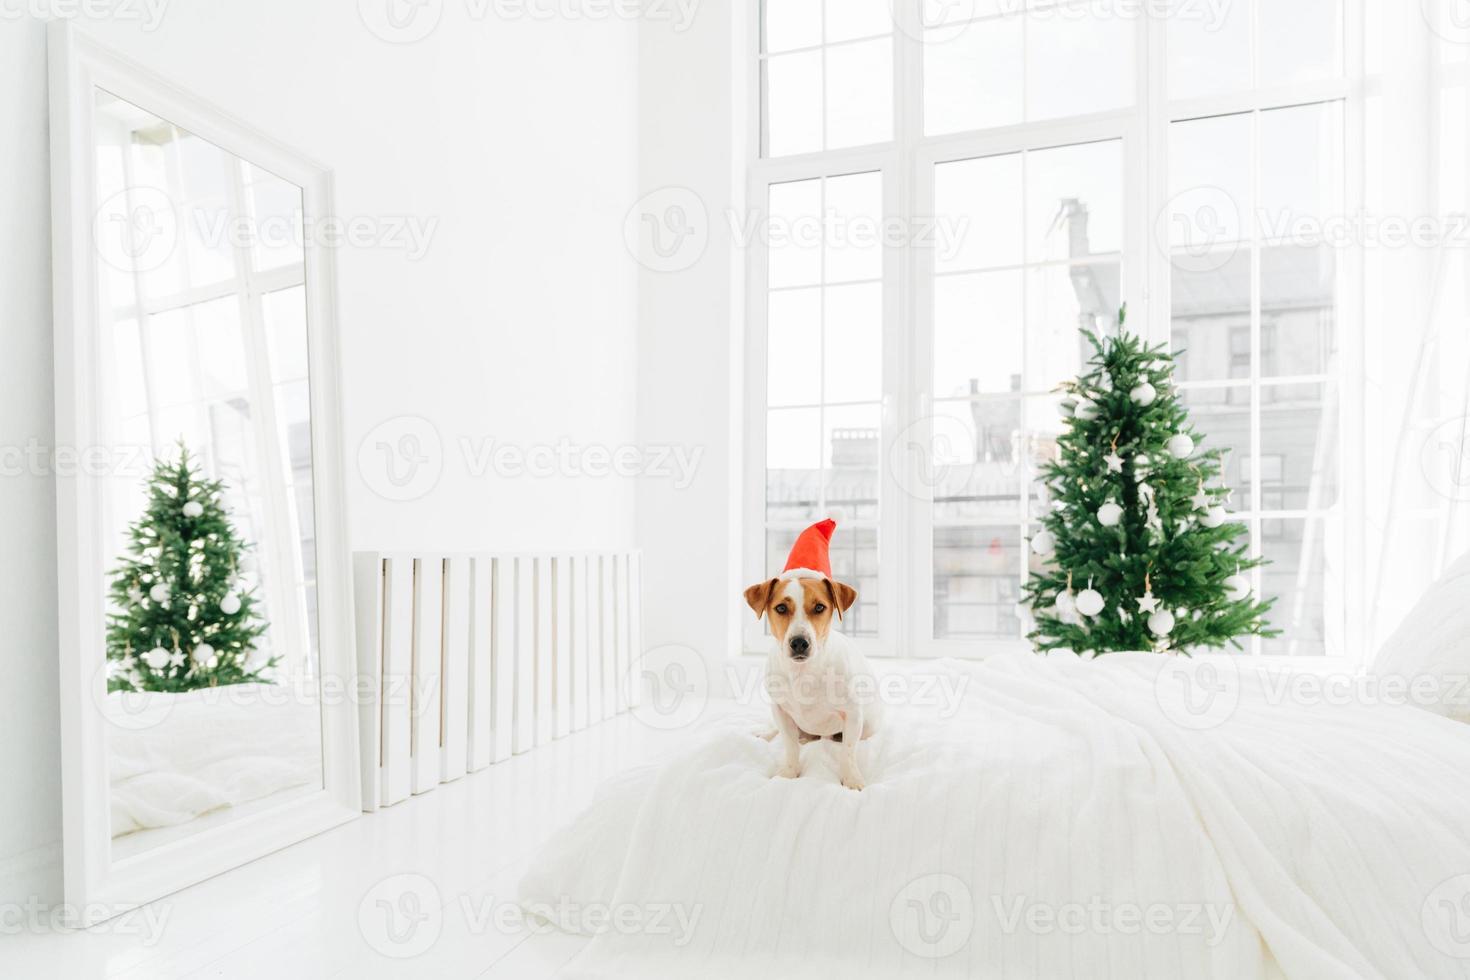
<point x="97" y="887"/>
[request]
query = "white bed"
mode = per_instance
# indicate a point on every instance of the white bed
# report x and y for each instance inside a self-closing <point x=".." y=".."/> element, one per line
<point x="175" y="757"/>
<point x="1134" y="816"/>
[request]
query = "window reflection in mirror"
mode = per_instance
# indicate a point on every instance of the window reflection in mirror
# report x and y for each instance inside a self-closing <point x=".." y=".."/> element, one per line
<point x="209" y="554"/>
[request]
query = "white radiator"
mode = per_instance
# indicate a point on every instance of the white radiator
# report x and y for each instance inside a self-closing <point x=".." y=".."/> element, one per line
<point x="464" y="660"/>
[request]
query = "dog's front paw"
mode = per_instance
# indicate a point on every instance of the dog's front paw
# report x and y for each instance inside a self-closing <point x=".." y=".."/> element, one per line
<point x="788" y="772"/>
<point x="851" y="778"/>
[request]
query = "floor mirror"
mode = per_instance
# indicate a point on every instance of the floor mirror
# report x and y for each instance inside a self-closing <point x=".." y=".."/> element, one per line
<point x="205" y="654"/>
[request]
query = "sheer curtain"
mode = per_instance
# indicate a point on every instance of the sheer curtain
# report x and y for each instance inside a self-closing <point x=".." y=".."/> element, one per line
<point x="1416" y="309"/>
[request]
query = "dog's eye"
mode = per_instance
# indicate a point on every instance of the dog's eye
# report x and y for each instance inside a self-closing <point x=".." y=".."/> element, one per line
<point x="818" y="609"/>
<point x="781" y="609"/>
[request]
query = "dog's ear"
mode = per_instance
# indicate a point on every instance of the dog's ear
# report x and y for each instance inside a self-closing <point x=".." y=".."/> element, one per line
<point x="758" y="596"/>
<point x="842" y="596"/>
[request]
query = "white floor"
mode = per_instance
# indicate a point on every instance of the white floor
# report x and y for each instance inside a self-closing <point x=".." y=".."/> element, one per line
<point x="423" y="889"/>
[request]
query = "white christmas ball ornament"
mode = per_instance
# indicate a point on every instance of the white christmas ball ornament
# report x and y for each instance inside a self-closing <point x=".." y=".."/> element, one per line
<point x="193" y="508"/>
<point x="230" y="604"/>
<point x="1065" y="604"/>
<point x="159" y="592"/>
<point x="1214" y="517"/>
<point x="202" y="654"/>
<point x="1086" y="411"/>
<point x="1161" y="623"/>
<point x="1237" y="587"/>
<point x="157" y="658"/>
<point x="1042" y="543"/>
<point x="1180" y="446"/>
<point x="1090" y="602"/>
<point x="1143" y="395"/>
<point x="1109" y="514"/>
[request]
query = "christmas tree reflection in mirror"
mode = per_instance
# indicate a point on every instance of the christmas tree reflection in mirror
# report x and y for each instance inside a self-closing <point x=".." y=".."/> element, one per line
<point x="207" y="528"/>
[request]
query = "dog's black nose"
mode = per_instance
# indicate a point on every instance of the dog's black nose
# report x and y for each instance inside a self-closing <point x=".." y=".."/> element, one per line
<point x="799" y="645"/>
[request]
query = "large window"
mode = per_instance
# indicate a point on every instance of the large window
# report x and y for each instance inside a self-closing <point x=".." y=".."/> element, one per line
<point x="1025" y="168"/>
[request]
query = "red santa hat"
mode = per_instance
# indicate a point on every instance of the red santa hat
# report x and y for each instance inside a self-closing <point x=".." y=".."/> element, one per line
<point x="809" y="555"/>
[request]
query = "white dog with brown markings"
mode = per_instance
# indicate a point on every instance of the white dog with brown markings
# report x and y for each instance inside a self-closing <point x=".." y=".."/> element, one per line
<point x="820" y="685"/>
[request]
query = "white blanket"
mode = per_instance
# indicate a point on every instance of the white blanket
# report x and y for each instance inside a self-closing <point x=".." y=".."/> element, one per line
<point x="174" y="757"/>
<point x="1134" y="816"/>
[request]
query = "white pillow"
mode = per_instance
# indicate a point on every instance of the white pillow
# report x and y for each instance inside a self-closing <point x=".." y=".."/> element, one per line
<point x="1431" y="648"/>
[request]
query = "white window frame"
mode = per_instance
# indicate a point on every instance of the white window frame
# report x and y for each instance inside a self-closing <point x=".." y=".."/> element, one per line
<point x="907" y="164"/>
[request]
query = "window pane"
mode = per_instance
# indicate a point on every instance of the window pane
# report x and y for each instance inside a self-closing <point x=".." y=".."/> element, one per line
<point x="276" y="206"/>
<point x="860" y="93"/>
<point x="793" y="345"/>
<point x="973" y="471"/>
<point x="853" y="222"/>
<point x="128" y="397"/>
<point x="851" y="453"/>
<point x="977" y="574"/>
<point x="1062" y="301"/>
<point x="1299" y="426"/>
<point x="972" y="76"/>
<point x="172" y="379"/>
<point x="795" y="231"/>
<point x="778" y="549"/>
<point x="1211" y="304"/>
<point x="978" y="333"/>
<point x="187" y="422"/>
<point x="997" y="426"/>
<point x="1074" y="201"/>
<point x="1079" y="59"/>
<point x="1222" y="418"/>
<point x="150" y="239"/>
<point x="1301" y="168"/>
<point x="937" y="12"/>
<point x="793" y="103"/>
<point x="293" y="422"/>
<point x="221" y="347"/>
<point x="285" y="325"/>
<point x="792" y="24"/>
<point x="1298" y="309"/>
<point x="1041" y="425"/>
<point x="854" y="556"/>
<point x="1209" y="183"/>
<point x="980" y="198"/>
<point x="1299" y="577"/>
<point x="848" y="19"/>
<point x="151" y="151"/>
<point x="793" y="463"/>
<point x="1301" y="40"/>
<point x="1209" y="48"/>
<point x="204" y="166"/>
<point x="207" y="237"/>
<point x="853" y="345"/>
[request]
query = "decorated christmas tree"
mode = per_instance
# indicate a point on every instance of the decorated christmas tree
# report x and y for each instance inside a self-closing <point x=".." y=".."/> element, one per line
<point x="1139" y="552"/>
<point x="180" y="618"/>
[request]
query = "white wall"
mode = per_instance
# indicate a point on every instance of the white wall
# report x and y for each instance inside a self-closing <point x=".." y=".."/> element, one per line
<point x="518" y="324"/>
<point x="30" y="807"/>
<point x="691" y="307"/>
